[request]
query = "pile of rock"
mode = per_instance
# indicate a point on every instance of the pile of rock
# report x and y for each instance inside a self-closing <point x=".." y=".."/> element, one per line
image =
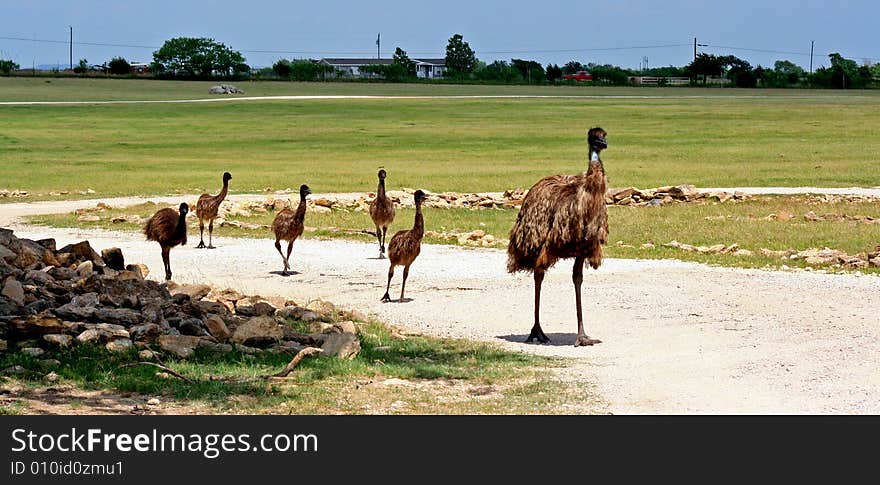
<point x="55" y="298"/>
<point x="668" y="195"/>
<point x="225" y="89"/>
<point x="714" y="249"/>
<point x="476" y="238"/>
<point x="4" y="193"/>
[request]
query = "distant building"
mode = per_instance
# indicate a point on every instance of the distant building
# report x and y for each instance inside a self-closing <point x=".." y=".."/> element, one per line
<point x="425" y="68"/>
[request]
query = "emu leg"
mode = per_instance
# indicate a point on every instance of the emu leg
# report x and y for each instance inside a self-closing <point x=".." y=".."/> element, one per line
<point x="201" y="234"/>
<point x="165" y="259"/>
<point x="577" y="277"/>
<point x="382" y="245"/>
<point x="537" y="333"/>
<point x="211" y="234"/>
<point x="386" y="298"/>
<point x="403" y="286"/>
<point x="381" y="242"/>
<point x="287" y="259"/>
<point x="278" y="247"/>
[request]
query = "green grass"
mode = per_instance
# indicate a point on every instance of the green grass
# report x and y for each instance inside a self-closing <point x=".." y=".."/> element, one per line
<point x="700" y="224"/>
<point x="788" y="138"/>
<point x="441" y="372"/>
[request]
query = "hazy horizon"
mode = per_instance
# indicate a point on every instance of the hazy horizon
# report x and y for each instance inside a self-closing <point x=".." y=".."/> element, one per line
<point x="623" y="33"/>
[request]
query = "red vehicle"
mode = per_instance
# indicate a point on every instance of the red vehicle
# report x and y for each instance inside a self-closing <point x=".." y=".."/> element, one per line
<point x="579" y="76"/>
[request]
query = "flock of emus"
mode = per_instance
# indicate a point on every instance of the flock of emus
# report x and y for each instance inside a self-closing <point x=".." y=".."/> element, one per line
<point x="562" y="216"/>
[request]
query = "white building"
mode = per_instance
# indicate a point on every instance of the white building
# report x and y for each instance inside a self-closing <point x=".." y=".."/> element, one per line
<point x="425" y="68"/>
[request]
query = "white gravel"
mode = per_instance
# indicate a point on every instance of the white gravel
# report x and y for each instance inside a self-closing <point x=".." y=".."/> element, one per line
<point x="677" y="337"/>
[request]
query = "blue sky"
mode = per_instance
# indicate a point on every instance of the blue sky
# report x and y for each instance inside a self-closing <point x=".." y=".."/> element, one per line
<point x="550" y="31"/>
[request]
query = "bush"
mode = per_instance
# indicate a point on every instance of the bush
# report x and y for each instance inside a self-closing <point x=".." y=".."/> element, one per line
<point x="119" y="66"/>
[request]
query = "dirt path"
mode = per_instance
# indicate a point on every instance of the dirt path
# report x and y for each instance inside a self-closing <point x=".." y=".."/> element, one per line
<point x="678" y="337"/>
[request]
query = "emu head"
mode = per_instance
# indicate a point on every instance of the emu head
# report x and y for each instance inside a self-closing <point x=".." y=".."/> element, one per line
<point x="382" y="174"/>
<point x="184" y="209"/>
<point x="227" y="177"/>
<point x="596" y="139"/>
<point x="304" y="190"/>
<point x="419" y="196"/>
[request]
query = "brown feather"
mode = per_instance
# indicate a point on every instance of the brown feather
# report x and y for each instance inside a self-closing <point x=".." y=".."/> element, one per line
<point x="163" y="228"/>
<point x="209" y="205"/>
<point x="562" y="216"/>
<point x="289" y="224"/>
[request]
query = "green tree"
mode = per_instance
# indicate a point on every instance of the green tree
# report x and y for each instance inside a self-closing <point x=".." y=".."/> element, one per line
<point x="705" y="65"/>
<point x="282" y="68"/>
<point x="499" y="71"/>
<point x="554" y="72"/>
<point x="404" y="63"/>
<point x="460" y="58"/>
<point x="571" y="67"/>
<point x="784" y="74"/>
<point x="119" y="66"/>
<point x="197" y="57"/>
<point x="608" y="74"/>
<point x="531" y="71"/>
<point x="7" y="66"/>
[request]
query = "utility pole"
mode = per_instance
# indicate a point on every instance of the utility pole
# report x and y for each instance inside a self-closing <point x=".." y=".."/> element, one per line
<point x="695" y="47"/>
<point x="812" y="43"/>
<point x="71" y="47"/>
<point x="378" y="37"/>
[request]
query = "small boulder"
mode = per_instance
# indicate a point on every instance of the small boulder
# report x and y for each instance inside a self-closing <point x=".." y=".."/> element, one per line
<point x="258" y="328"/>
<point x="119" y="345"/>
<point x="217" y="328"/>
<point x="341" y="345"/>
<point x="14" y="291"/>
<point x="181" y="346"/>
<point x="113" y="258"/>
<point x="58" y="340"/>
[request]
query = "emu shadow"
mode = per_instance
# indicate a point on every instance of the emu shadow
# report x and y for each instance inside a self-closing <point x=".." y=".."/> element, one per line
<point x="556" y="339"/>
<point x="399" y="300"/>
<point x="281" y="273"/>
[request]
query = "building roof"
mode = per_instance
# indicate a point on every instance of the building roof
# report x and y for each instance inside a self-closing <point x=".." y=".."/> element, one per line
<point x="341" y="61"/>
<point x="355" y="61"/>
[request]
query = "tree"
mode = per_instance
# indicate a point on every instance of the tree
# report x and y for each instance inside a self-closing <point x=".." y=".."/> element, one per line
<point x="571" y="67"/>
<point x="608" y="74"/>
<point x="460" y="58"/>
<point x="705" y="65"/>
<point x="740" y="72"/>
<point x="404" y="63"/>
<point x="119" y="66"/>
<point x="499" y="71"/>
<point x="531" y="71"/>
<point x="197" y="57"/>
<point x="554" y="72"/>
<point x="784" y="74"/>
<point x="82" y="67"/>
<point x="7" y="66"/>
<point x="282" y="68"/>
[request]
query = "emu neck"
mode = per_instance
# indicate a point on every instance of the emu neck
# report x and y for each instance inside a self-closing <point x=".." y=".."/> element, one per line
<point x="301" y="208"/>
<point x="224" y="190"/>
<point x="595" y="160"/>
<point x="180" y="230"/>
<point x="380" y="191"/>
<point x="419" y="224"/>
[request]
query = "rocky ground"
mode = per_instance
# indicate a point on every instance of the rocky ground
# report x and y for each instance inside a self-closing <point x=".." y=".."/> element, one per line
<point x="677" y="337"/>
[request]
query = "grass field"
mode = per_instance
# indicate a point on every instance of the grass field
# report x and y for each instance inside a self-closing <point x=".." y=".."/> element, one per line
<point x="733" y="137"/>
<point x="750" y="224"/>
<point x="442" y="376"/>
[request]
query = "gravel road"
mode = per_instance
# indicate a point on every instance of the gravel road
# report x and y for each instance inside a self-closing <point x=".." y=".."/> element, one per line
<point x="678" y="338"/>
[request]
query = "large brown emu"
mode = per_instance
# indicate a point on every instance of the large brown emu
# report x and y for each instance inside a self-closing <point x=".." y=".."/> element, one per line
<point x="206" y="210"/>
<point x="289" y="224"/>
<point x="382" y="213"/>
<point x="168" y="228"/>
<point x="405" y="246"/>
<point x="562" y="216"/>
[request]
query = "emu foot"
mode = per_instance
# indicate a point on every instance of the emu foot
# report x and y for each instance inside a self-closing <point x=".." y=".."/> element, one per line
<point x="168" y="276"/>
<point x="201" y="245"/>
<point x="386" y="298"/>
<point x="583" y="341"/>
<point x="211" y="247"/>
<point x="538" y="334"/>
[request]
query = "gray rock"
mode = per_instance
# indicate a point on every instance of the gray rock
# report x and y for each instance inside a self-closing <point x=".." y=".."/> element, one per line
<point x="192" y="326"/>
<point x="254" y="309"/>
<point x="181" y="346"/>
<point x="33" y="351"/>
<point x="259" y="329"/>
<point x="146" y="331"/>
<point x="85" y="269"/>
<point x="58" y="340"/>
<point x="341" y="345"/>
<point x="39" y="277"/>
<point x="119" y="345"/>
<point x="346" y="327"/>
<point x="122" y="316"/>
<point x="14" y="291"/>
<point x="195" y="292"/>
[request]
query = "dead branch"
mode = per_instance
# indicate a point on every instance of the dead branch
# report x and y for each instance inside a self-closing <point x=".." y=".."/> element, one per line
<point x="302" y="354"/>
<point x="165" y="369"/>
